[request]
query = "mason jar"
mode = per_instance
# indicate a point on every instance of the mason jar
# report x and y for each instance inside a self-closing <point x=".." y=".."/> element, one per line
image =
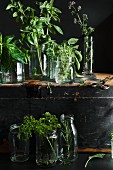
<point x="47" y="150"/>
<point x="19" y="148"/>
<point x="64" y="71"/>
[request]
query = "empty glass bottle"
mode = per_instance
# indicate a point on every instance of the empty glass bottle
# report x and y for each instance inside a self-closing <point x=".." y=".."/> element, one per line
<point x="68" y="139"/>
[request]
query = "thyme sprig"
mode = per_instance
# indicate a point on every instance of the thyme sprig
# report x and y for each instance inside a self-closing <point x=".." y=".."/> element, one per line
<point x="81" y="19"/>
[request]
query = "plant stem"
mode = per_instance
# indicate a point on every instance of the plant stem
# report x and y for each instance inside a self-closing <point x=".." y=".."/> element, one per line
<point x="38" y="49"/>
<point x="51" y="146"/>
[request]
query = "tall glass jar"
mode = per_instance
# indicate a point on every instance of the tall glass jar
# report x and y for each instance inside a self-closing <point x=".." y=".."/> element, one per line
<point x="20" y="72"/>
<point x="112" y="148"/>
<point x="88" y="55"/>
<point x="48" y="64"/>
<point x="47" y="150"/>
<point x="19" y="148"/>
<point x="68" y="139"/>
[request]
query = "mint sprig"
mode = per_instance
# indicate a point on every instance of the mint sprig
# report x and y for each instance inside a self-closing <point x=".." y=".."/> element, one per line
<point x="99" y="155"/>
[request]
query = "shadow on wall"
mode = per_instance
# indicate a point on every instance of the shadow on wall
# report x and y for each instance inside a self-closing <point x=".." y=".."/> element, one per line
<point x="103" y="52"/>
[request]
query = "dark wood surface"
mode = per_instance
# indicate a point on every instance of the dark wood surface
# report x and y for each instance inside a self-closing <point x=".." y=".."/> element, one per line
<point x="105" y="163"/>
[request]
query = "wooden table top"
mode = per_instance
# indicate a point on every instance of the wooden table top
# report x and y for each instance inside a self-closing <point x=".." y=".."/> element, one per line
<point x="108" y="78"/>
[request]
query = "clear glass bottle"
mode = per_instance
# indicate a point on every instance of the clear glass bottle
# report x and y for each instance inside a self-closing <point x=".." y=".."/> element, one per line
<point x="19" y="148"/>
<point x="68" y="139"/>
<point x="47" y="150"/>
<point x="20" y="72"/>
<point x="88" y="55"/>
<point x="112" y="148"/>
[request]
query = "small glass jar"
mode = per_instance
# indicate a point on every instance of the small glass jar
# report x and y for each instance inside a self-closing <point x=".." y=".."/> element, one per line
<point x="68" y="139"/>
<point x="47" y="150"/>
<point x="64" y="71"/>
<point x="112" y="148"/>
<point x="19" y="148"/>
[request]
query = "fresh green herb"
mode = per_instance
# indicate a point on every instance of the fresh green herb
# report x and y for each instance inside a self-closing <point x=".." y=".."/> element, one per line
<point x="99" y="155"/>
<point x="10" y="53"/>
<point x="69" y="57"/>
<point x="67" y="139"/>
<point x="44" y="126"/>
<point x="27" y="127"/>
<point x="37" y="24"/>
<point x="81" y="19"/>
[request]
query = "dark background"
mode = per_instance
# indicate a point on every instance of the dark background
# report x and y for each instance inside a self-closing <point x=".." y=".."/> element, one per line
<point x="100" y="14"/>
<point x="92" y="104"/>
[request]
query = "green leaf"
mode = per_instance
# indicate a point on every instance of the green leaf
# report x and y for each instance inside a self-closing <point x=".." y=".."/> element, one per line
<point x="43" y="5"/>
<point x="8" y="39"/>
<point x="72" y="41"/>
<point x="79" y="55"/>
<point x="99" y="155"/>
<point x="5" y="59"/>
<point x="77" y="63"/>
<point x="75" y="47"/>
<point x="29" y="40"/>
<point x="58" y="29"/>
<point x="15" y="14"/>
<point x="78" y="75"/>
<point x="44" y="19"/>
<point x="56" y="10"/>
<point x="9" y="6"/>
<point x="56" y="18"/>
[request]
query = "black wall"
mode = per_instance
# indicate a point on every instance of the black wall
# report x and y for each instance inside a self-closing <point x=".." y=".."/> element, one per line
<point x="100" y="17"/>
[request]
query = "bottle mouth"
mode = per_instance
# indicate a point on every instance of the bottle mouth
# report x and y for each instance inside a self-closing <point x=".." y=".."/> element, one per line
<point x="14" y="128"/>
<point x="66" y="116"/>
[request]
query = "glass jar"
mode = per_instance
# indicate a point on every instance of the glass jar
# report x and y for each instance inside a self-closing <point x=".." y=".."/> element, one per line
<point x="19" y="148"/>
<point x="38" y="63"/>
<point x="68" y="139"/>
<point x="112" y="148"/>
<point x="64" y="71"/>
<point x="14" y="74"/>
<point x="88" y="55"/>
<point x="9" y="77"/>
<point x="47" y="150"/>
<point x="20" y="72"/>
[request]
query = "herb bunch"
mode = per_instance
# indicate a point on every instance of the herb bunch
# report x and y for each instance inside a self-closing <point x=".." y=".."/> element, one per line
<point x="81" y="19"/>
<point x="43" y="126"/>
<point x="10" y="53"/>
<point x="68" y="57"/>
<point x="46" y="124"/>
<point x="37" y="24"/>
